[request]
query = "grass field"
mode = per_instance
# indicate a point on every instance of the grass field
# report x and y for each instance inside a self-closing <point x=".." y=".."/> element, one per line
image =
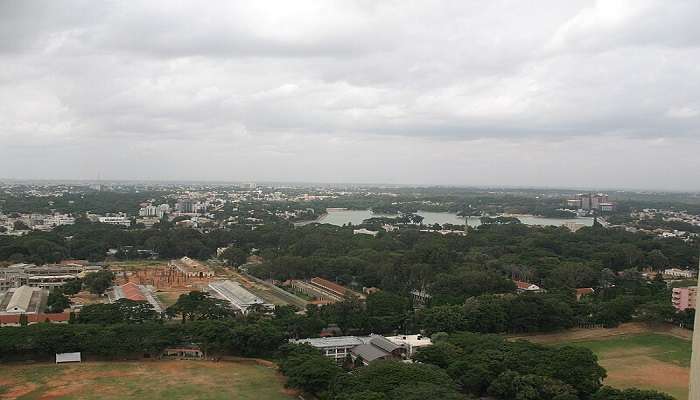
<point x="646" y="360"/>
<point x="151" y="380"/>
<point x="634" y="354"/>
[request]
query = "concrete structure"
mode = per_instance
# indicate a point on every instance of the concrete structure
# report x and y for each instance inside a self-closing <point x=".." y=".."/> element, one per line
<point x="192" y="268"/>
<point x="685" y="297"/>
<point x="23" y="300"/>
<point x="135" y="292"/>
<point x="411" y="342"/>
<point x="46" y="276"/>
<point x="241" y="299"/>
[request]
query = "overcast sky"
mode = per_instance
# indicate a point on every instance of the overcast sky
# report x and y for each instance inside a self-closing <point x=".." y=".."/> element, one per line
<point x="546" y="93"/>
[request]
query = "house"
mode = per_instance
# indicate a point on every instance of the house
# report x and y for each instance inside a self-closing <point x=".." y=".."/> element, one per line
<point x="364" y="231"/>
<point x="580" y="292"/>
<point x="365" y="348"/>
<point x="522" y="287"/>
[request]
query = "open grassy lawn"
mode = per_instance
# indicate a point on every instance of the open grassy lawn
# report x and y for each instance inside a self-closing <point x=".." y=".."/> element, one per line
<point x="151" y="380"/>
<point x="647" y="360"/>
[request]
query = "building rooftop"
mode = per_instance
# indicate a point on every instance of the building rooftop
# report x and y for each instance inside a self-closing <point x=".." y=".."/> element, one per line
<point x="338" y="341"/>
<point x="235" y="293"/>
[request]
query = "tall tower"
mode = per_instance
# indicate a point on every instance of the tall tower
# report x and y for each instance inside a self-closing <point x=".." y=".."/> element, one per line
<point x="695" y="360"/>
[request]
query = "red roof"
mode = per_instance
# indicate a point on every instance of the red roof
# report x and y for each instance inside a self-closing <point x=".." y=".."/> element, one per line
<point x="522" y="285"/>
<point x="33" y="318"/>
<point x="328" y="285"/>
<point x="584" y="290"/>
<point x="132" y="292"/>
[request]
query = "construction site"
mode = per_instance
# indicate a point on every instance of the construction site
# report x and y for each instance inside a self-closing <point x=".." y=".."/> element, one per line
<point x="169" y="283"/>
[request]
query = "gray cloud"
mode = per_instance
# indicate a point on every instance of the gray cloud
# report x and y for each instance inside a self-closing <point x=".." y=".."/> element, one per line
<point x="302" y="84"/>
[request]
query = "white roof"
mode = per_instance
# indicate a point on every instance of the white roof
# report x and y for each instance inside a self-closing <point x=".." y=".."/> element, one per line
<point x="338" y="341"/>
<point x="235" y="293"/>
<point x="20" y="299"/>
<point x="67" y="357"/>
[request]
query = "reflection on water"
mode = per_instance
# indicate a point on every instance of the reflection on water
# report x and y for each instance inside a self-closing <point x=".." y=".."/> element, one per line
<point x="342" y="217"/>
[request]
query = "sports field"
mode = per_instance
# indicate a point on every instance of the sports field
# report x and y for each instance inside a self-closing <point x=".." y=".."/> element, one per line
<point x="143" y="380"/>
<point x="634" y="355"/>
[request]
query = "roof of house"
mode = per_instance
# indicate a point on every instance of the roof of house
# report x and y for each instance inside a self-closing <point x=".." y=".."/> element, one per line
<point x="584" y="290"/>
<point x="383" y="343"/>
<point x="368" y="352"/>
<point x="526" y="286"/>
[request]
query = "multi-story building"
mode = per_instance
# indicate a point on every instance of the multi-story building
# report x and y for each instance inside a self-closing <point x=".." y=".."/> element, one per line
<point x="592" y="201"/>
<point x="124" y="221"/>
<point x="685" y="297"/>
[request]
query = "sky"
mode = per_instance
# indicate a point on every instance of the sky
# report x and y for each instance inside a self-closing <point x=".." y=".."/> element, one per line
<point x="488" y="93"/>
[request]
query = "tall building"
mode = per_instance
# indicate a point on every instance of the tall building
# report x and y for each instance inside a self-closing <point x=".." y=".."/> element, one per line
<point x="685" y="297"/>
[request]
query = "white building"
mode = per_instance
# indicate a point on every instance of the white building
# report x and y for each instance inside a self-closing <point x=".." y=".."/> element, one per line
<point x="234" y="293"/>
<point x="124" y="221"/>
<point x="411" y="342"/>
<point x="679" y="273"/>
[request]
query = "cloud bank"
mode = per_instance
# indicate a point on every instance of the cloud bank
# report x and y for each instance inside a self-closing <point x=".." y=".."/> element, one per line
<point x="575" y="93"/>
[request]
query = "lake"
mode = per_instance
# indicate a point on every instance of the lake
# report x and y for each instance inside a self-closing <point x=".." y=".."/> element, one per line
<point x="341" y="217"/>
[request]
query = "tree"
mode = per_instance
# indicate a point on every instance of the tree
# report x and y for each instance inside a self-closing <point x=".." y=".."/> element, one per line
<point x="72" y="287"/>
<point x="199" y="305"/>
<point x="234" y="256"/>
<point x="57" y="301"/>
<point x="307" y="369"/>
<point x="20" y="226"/>
<point x="608" y="393"/>
<point x="98" y="282"/>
